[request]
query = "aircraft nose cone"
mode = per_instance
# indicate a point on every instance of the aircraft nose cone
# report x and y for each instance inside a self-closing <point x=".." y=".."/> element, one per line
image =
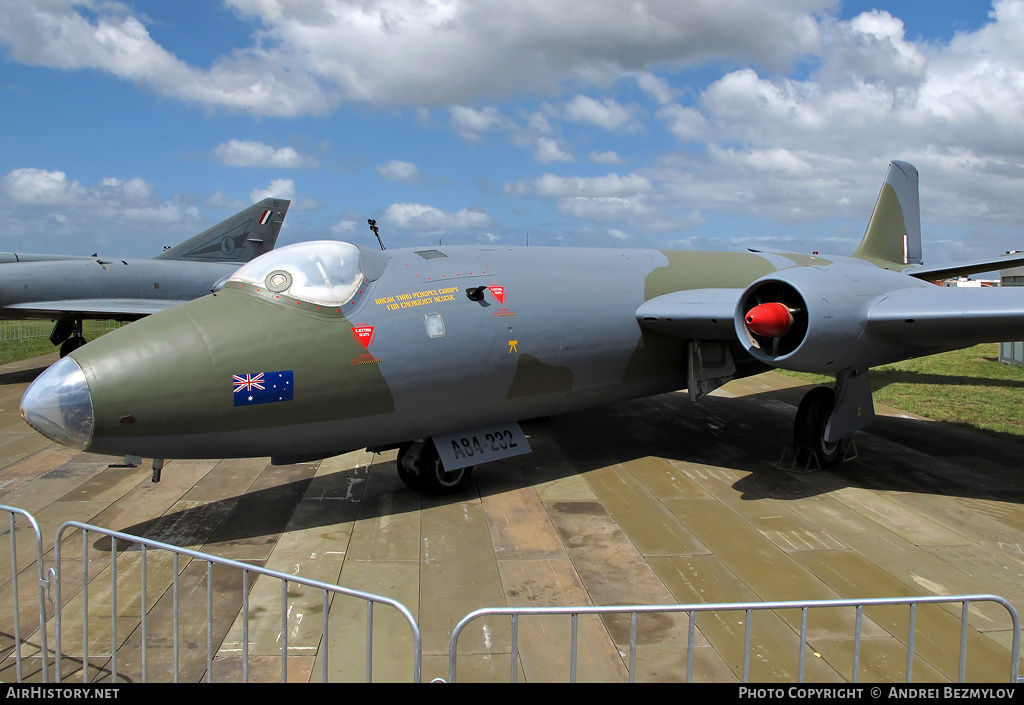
<point x="58" y="405"/>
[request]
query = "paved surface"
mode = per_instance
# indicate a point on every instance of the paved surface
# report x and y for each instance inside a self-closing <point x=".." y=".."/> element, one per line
<point x="653" y="501"/>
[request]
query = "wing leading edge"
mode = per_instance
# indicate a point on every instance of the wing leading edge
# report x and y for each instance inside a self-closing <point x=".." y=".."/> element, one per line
<point x="97" y="308"/>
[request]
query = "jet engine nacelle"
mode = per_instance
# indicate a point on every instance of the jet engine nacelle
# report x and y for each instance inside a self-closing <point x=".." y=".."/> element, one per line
<point x="821" y="324"/>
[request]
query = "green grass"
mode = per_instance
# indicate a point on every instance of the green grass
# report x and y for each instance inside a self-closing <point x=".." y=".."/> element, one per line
<point x="969" y="388"/>
<point x="14" y="350"/>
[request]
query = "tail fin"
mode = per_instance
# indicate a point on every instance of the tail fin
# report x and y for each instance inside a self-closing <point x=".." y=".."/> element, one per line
<point x="240" y="238"/>
<point x="894" y="231"/>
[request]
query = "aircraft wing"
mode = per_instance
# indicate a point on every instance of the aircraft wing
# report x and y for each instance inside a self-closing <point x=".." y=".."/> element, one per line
<point x="702" y="314"/>
<point x="948" y="316"/>
<point x="915" y="317"/>
<point x="96" y="308"/>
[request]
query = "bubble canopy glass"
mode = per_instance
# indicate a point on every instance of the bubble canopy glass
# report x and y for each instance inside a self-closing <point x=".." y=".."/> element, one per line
<point x="322" y="272"/>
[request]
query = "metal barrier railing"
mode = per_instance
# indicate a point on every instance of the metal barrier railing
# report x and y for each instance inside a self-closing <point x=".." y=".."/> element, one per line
<point x="748" y="608"/>
<point x="246" y="570"/>
<point x="52" y="579"/>
<point x="42" y="583"/>
<point x="21" y="330"/>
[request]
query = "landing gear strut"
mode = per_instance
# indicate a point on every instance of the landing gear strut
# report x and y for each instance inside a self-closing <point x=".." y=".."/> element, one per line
<point x="420" y="467"/>
<point x="826" y="419"/>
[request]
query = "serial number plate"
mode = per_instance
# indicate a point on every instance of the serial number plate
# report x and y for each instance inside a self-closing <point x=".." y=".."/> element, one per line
<point x="481" y="445"/>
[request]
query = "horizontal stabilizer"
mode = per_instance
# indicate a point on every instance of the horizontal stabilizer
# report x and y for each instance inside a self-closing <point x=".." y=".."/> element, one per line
<point x="948" y="317"/>
<point x="964" y="269"/>
<point x="697" y="314"/>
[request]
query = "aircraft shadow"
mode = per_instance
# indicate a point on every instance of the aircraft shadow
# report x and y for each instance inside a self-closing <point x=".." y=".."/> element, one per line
<point x="883" y="378"/>
<point x="21" y="376"/>
<point x="746" y="434"/>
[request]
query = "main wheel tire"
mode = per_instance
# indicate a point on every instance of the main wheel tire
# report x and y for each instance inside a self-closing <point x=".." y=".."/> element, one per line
<point x="421" y="469"/>
<point x="409" y="476"/>
<point x="434" y="479"/>
<point x="809" y="428"/>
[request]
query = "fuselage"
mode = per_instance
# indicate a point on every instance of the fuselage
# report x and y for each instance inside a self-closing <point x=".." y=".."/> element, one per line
<point x="97" y="288"/>
<point x="432" y="341"/>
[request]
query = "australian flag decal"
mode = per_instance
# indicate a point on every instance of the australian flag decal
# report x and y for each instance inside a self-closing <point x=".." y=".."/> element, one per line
<point x="263" y="387"/>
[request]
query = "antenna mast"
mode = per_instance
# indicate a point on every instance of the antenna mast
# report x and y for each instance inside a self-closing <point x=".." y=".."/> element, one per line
<point x="373" y="227"/>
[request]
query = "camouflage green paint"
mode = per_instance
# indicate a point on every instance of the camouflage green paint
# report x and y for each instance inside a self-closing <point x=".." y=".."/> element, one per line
<point x="258" y="346"/>
<point x="534" y="378"/>
<point x="656" y="356"/>
<point x="883" y="239"/>
<point x="705" y="270"/>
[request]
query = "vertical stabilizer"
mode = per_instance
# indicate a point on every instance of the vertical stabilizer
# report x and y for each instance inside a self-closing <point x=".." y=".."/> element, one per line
<point x="893" y="235"/>
<point x="240" y="238"/>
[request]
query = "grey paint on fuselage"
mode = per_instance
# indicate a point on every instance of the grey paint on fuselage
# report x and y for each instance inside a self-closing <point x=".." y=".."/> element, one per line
<point x="59" y="287"/>
<point x="568" y="317"/>
<point x="323" y="347"/>
<point x="41" y="290"/>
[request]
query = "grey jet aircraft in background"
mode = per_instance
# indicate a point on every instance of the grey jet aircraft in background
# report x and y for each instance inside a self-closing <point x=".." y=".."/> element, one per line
<point x="324" y="347"/>
<point x="69" y="289"/>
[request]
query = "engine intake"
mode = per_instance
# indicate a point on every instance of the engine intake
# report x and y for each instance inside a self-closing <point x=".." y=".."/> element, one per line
<point x="812" y="319"/>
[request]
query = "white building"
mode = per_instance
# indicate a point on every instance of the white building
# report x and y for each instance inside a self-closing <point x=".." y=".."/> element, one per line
<point x="1012" y="353"/>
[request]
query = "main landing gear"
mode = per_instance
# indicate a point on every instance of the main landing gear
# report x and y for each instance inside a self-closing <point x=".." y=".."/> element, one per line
<point x="68" y="335"/>
<point x="827" y="419"/>
<point x="420" y="467"/>
<point x="809" y="428"/>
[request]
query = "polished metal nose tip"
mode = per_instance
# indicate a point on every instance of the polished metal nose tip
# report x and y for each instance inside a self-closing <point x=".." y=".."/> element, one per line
<point x="59" y="406"/>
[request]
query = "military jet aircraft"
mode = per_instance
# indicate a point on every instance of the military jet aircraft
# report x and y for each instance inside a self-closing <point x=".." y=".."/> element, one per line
<point x="324" y="347"/>
<point x="70" y="289"/>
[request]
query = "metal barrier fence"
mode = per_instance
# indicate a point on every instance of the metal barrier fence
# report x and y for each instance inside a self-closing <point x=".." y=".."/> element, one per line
<point x="54" y="579"/>
<point x="41" y="584"/>
<point x="748" y="608"/>
<point x="246" y="570"/>
<point x="22" y="330"/>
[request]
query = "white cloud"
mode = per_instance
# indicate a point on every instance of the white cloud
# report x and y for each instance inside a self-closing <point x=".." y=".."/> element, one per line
<point x="278" y="188"/>
<point x="686" y="123"/>
<point x="603" y="209"/>
<point x="550" y="185"/>
<point x="659" y="89"/>
<point x="399" y="171"/>
<point x="471" y="123"/>
<point x="762" y="140"/>
<point x="419" y="216"/>
<point x="42" y="187"/>
<point x="604" y="113"/>
<point x="257" y="154"/>
<point x="309" y="57"/>
<point x="548" y="150"/>
<point x="606" y="158"/>
<point x="762" y="160"/>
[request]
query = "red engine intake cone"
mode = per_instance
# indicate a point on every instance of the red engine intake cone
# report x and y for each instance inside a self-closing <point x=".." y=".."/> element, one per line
<point x="771" y="320"/>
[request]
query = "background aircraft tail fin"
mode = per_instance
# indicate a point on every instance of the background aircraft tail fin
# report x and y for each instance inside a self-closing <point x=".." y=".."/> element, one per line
<point x="893" y="235"/>
<point x="242" y="237"/>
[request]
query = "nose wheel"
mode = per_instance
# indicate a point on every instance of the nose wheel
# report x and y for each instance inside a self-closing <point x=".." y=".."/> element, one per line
<point x="420" y="467"/>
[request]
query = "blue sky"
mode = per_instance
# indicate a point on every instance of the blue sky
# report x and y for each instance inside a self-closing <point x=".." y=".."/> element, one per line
<point x="706" y="124"/>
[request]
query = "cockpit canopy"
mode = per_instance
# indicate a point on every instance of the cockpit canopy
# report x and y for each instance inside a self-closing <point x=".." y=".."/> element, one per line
<point x="321" y="272"/>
